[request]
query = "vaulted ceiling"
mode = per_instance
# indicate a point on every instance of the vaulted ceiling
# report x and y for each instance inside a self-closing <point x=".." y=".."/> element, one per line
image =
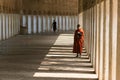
<point x="56" y="7"/>
<point x="46" y="7"/>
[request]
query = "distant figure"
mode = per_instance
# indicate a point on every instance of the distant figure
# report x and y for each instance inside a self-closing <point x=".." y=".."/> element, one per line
<point x="54" y="26"/>
<point x="78" y="40"/>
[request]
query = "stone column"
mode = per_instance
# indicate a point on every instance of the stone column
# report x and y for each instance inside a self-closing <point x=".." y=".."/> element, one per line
<point x="14" y="27"/>
<point x="65" y="23"/>
<point x="47" y="29"/>
<point x="32" y="24"/>
<point x="115" y="40"/>
<point x="110" y="43"/>
<point x="98" y="38"/>
<point x="107" y="39"/>
<point x="44" y="23"/>
<point x="95" y="35"/>
<point x="92" y="36"/>
<point x="7" y="27"/>
<point x="41" y="23"/>
<point x="0" y="28"/>
<point x="50" y="23"/>
<point x="81" y="12"/>
<point x="4" y="27"/>
<point x="18" y="25"/>
<point x="101" y="40"/>
<point x="85" y="29"/>
<point x="104" y="38"/>
<point x="37" y="23"/>
<point x="10" y="25"/>
<point x="89" y="22"/>
<point x="19" y="22"/>
<point x="117" y="3"/>
<point x="27" y="23"/>
<point x="73" y="22"/>
<point x="58" y="24"/>
<point x="62" y="23"/>
<point x="69" y="22"/>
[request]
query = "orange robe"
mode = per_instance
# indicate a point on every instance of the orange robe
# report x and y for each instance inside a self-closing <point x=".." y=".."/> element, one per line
<point x="78" y="42"/>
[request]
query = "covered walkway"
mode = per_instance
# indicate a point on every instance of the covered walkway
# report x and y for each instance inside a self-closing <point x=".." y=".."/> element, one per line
<point x="43" y="57"/>
<point x="29" y="50"/>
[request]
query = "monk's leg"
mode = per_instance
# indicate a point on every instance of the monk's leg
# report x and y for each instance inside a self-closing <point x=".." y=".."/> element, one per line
<point x="81" y="49"/>
<point x="77" y="54"/>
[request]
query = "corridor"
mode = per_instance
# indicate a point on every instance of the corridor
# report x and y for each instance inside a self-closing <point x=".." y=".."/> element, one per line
<point x="36" y="39"/>
<point x="47" y="56"/>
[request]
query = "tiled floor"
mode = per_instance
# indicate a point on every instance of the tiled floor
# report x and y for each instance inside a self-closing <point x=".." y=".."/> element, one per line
<point x="43" y="57"/>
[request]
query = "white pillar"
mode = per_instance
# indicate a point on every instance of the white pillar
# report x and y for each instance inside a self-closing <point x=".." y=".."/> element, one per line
<point x="39" y="24"/>
<point x="13" y="24"/>
<point x="59" y="23"/>
<point x="107" y="15"/>
<point x="63" y="23"/>
<point x="18" y="23"/>
<point x="34" y="24"/>
<point x="0" y="28"/>
<point x="29" y="24"/>
<point x="95" y="35"/>
<point x="4" y="25"/>
<point x="98" y="40"/>
<point x="32" y="27"/>
<point x="46" y="19"/>
<point x="70" y="26"/>
<point x="44" y="23"/>
<point x="101" y="40"/>
<point x="67" y="23"/>
<point x="7" y="27"/>
<point x="10" y="25"/>
<point x="115" y="53"/>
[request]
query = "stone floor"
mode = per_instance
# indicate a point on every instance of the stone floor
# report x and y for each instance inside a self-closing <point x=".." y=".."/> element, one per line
<point x="43" y="57"/>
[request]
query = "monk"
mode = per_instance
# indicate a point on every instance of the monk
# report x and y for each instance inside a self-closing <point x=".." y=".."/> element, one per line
<point x="54" y="26"/>
<point x="78" y="40"/>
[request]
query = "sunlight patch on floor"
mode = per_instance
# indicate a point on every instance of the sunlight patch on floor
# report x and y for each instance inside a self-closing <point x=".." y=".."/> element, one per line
<point x="65" y="40"/>
<point x="60" y="62"/>
<point x="64" y="75"/>
<point x="65" y="63"/>
<point x="64" y="68"/>
<point x="67" y="59"/>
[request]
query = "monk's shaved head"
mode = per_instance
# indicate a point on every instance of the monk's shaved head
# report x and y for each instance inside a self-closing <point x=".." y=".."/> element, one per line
<point x="78" y="25"/>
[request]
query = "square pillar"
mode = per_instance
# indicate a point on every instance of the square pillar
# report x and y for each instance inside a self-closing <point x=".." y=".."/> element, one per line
<point x="101" y="40"/>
